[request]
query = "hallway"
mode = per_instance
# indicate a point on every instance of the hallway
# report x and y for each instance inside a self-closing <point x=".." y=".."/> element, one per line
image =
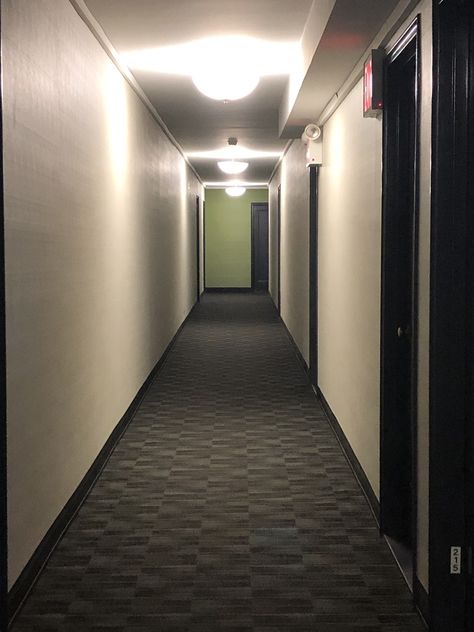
<point x="227" y="505"/>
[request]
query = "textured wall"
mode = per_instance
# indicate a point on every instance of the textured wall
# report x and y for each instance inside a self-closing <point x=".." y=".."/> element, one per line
<point x="100" y="255"/>
<point x="228" y="237"/>
<point x="293" y="177"/>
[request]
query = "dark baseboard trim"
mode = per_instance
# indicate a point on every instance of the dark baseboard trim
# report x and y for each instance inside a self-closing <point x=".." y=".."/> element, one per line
<point x="299" y="355"/>
<point x="214" y="290"/>
<point x="422" y="601"/>
<point x="30" y="574"/>
<point x="353" y="461"/>
<point x="351" y="457"/>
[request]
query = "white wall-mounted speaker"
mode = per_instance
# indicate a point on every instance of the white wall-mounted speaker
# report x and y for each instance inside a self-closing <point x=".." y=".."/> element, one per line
<point x="310" y="133"/>
<point x="312" y="138"/>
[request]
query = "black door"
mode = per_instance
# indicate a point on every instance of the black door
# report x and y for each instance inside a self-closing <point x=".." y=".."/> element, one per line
<point x="470" y="351"/>
<point x="470" y="510"/>
<point x="260" y="247"/>
<point x="399" y="255"/>
<point x="313" y="274"/>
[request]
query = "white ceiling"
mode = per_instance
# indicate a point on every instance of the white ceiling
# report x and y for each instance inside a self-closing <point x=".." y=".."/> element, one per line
<point x="201" y="124"/>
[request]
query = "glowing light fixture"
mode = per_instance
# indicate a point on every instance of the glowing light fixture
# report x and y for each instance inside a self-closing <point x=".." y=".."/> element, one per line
<point x="226" y="80"/>
<point x="235" y="191"/>
<point x="232" y="166"/>
<point x="226" y="70"/>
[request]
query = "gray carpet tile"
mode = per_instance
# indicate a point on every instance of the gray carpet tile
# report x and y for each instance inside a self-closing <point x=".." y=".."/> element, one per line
<point x="227" y="505"/>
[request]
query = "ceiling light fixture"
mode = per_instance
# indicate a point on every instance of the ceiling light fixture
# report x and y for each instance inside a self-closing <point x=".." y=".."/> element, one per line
<point x="225" y="82"/>
<point x="232" y="166"/>
<point x="235" y="191"/>
<point x="226" y="69"/>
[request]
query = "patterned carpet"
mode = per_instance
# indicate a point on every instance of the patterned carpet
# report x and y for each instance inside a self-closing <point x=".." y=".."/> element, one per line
<point x="227" y="505"/>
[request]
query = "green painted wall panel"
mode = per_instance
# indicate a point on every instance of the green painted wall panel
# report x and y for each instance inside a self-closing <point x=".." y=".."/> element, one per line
<point x="228" y="237"/>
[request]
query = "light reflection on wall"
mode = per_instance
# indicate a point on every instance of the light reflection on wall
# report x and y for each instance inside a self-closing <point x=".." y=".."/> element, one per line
<point x="116" y="113"/>
<point x="183" y="252"/>
<point x="335" y="154"/>
<point x="283" y="227"/>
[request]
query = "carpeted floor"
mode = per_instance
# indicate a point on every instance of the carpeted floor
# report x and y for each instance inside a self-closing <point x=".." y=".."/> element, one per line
<point x="227" y="505"/>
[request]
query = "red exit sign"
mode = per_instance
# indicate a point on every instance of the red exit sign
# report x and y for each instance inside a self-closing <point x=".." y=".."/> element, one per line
<point x="373" y="83"/>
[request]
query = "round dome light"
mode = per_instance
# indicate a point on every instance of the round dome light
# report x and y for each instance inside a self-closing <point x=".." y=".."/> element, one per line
<point x="232" y="166"/>
<point x="226" y="84"/>
<point x="235" y="191"/>
<point x="225" y="68"/>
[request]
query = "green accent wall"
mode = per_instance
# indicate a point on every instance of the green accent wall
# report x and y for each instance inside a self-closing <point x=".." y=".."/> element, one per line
<point x="228" y="237"/>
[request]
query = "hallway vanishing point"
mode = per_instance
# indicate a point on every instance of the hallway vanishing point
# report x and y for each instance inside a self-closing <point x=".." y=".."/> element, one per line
<point x="227" y="505"/>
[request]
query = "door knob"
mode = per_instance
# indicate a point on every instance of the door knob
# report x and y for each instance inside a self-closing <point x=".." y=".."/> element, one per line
<point x="403" y="332"/>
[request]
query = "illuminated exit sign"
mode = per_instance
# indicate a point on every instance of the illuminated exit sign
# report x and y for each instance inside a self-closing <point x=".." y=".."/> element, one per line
<point x="373" y="83"/>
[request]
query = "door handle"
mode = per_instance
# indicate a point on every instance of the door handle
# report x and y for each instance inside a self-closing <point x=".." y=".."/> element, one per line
<point x="401" y="332"/>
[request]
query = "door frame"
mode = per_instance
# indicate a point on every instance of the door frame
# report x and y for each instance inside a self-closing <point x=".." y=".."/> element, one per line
<point x="410" y="37"/>
<point x="451" y="340"/>
<point x="3" y="411"/>
<point x="198" y="247"/>
<point x="204" y="245"/>
<point x="313" y="274"/>
<point x="253" y="209"/>
<point x="279" y="248"/>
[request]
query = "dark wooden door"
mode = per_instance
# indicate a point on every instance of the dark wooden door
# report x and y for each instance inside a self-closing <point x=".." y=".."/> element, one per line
<point x="260" y="247"/>
<point x="470" y="513"/>
<point x="313" y="274"/>
<point x="470" y="351"/>
<point x="399" y="264"/>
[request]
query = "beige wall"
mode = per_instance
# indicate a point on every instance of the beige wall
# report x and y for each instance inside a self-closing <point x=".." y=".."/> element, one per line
<point x="293" y="177"/>
<point x="100" y="255"/>
<point x="349" y="276"/>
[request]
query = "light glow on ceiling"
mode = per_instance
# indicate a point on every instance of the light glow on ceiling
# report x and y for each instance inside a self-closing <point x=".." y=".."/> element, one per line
<point x="223" y="68"/>
<point x="235" y="191"/>
<point x="235" y="183"/>
<point x="230" y="152"/>
<point x="232" y="166"/>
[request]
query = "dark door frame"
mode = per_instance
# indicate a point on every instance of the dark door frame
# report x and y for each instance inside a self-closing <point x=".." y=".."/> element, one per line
<point x="204" y="245"/>
<point x="253" y="208"/>
<point x="408" y="44"/>
<point x="313" y="274"/>
<point x="451" y="336"/>
<point x="198" y="247"/>
<point x="279" y="248"/>
<point x="3" y="412"/>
